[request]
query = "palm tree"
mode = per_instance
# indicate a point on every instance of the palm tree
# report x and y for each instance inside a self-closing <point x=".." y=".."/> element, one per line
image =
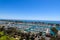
<point x="54" y="30"/>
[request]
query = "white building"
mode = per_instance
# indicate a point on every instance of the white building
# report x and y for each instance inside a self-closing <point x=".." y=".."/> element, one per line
<point x="58" y="32"/>
<point x="47" y="30"/>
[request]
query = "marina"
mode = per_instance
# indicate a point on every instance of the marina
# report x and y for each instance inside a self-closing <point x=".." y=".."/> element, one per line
<point x="31" y="26"/>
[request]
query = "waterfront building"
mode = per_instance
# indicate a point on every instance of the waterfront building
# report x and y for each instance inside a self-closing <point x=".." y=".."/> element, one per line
<point x="48" y="31"/>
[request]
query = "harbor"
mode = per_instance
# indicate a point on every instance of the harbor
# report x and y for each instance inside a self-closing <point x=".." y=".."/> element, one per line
<point x="30" y="26"/>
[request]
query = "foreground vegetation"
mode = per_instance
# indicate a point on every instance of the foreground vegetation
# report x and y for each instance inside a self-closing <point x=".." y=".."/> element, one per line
<point x="12" y="33"/>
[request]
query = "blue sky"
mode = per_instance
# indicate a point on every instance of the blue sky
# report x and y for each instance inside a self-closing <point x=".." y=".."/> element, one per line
<point x="30" y="9"/>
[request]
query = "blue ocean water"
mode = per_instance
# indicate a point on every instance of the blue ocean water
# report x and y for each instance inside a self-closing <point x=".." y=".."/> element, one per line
<point x="45" y="21"/>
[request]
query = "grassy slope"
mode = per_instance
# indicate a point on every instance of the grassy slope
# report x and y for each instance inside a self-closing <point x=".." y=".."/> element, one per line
<point x="5" y="37"/>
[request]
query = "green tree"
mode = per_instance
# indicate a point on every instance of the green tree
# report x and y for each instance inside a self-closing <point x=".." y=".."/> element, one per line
<point x="53" y="38"/>
<point x="2" y="28"/>
<point x="40" y="33"/>
<point x="42" y="38"/>
<point x="11" y="31"/>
